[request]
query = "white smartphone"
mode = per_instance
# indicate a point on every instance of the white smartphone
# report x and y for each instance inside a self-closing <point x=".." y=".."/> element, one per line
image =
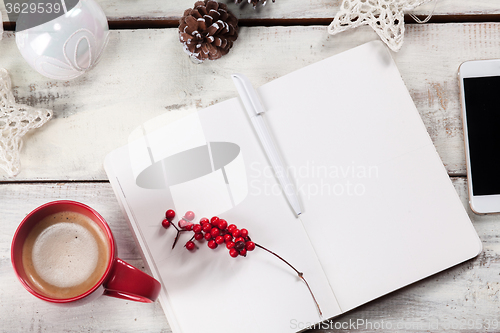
<point x="480" y="99"/>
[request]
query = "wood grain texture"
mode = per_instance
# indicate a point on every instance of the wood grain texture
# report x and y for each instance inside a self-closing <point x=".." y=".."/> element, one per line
<point x="145" y="73"/>
<point x="171" y="10"/>
<point x="468" y="292"/>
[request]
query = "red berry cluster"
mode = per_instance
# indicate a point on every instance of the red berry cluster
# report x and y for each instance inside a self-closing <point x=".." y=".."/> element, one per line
<point x="215" y="231"/>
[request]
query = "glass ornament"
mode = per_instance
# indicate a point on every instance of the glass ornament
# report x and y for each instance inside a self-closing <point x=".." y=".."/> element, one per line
<point x="65" y="47"/>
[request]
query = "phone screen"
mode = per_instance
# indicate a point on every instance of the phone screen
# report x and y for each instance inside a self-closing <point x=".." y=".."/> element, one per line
<point x="482" y="105"/>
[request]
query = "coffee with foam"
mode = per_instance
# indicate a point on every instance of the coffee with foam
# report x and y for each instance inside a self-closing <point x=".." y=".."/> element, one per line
<point x="65" y="255"/>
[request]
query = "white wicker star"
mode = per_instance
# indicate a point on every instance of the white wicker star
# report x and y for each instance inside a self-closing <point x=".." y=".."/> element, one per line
<point x="15" y="121"/>
<point x="386" y="17"/>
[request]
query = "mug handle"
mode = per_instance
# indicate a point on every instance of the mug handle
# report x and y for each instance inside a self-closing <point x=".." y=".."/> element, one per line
<point x="127" y="282"/>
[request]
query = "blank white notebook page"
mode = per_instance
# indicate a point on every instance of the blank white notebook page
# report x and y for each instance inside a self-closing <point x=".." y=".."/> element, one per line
<point x="258" y="293"/>
<point x="379" y="207"/>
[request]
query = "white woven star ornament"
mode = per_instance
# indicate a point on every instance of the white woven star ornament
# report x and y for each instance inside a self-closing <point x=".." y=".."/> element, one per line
<point x="386" y="17"/>
<point x="15" y="121"/>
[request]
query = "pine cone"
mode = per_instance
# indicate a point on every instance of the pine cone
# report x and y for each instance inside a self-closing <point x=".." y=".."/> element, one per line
<point x="253" y="2"/>
<point x="208" y="30"/>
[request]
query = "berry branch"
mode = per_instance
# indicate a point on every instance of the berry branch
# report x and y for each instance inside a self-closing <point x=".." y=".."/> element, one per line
<point x="216" y="231"/>
<point x="300" y="274"/>
<point x="167" y="222"/>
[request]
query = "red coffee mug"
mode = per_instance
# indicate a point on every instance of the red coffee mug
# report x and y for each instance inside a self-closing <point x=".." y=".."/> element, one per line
<point x="120" y="279"/>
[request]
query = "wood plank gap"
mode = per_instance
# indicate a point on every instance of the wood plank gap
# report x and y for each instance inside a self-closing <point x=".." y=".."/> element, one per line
<point x="465" y="18"/>
<point x="52" y="181"/>
<point x="105" y="181"/>
<point x="457" y="175"/>
<point x="132" y="23"/>
<point x="143" y="24"/>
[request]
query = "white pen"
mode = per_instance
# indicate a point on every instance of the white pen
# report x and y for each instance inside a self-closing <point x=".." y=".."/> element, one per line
<point x="255" y="109"/>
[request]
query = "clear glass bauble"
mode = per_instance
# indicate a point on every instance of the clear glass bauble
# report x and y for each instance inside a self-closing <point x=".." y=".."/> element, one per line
<point x="67" y="46"/>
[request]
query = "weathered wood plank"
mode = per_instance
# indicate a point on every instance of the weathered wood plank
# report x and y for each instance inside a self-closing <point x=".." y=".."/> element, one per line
<point x="145" y="73"/>
<point x="124" y="10"/>
<point x="448" y="300"/>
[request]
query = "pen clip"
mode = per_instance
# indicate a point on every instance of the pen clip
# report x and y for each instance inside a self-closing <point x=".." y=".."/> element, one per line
<point x="248" y="95"/>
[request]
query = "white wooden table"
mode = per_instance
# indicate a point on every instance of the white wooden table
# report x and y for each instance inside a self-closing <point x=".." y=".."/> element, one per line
<point x="145" y="73"/>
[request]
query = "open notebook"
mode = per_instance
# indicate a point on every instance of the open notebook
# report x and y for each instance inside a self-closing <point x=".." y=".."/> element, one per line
<point x="379" y="210"/>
